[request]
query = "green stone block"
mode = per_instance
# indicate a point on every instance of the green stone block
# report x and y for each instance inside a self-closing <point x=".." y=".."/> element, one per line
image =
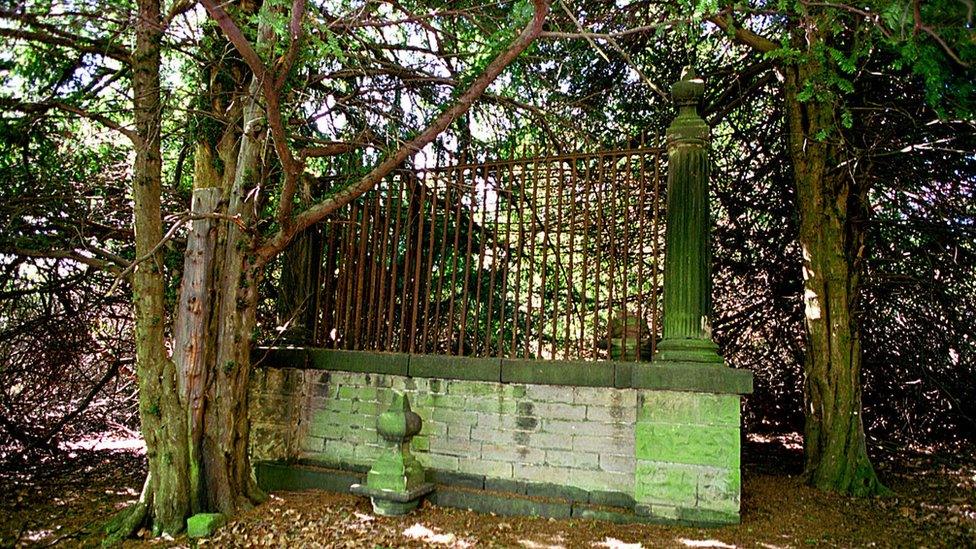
<point x="689" y="408"/>
<point x="358" y="361"/>
<point x="455" y="367"/>
<point x="541" y="372"/>
<point x="203" y="525"/>
<point x="666" y="483"/>
<point x="691" y="377"/>
<point x="420" y="443"/>
<point x="708" y="517"/>
<point x="695" y="445"/>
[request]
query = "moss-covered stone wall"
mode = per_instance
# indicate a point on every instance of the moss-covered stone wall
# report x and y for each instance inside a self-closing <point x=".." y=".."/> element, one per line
<point x="667" y="454"/>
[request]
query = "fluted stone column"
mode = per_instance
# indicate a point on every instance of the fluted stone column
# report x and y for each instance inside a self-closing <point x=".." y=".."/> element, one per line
<point x="687" y="333"/>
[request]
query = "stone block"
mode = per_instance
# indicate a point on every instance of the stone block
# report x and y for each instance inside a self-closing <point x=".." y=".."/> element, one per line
<point x="488" y="468"/>
<point x="612" y="414"/>
<point x="437" y="461"/>
<point x="602" y="396"/>
<point x="576" y="460"/>
<point x="610" y="445"/>
<point x="691" y="444"/>
<point x="618" y="464"/>
<point x="549" y="393"/>
<point x="455" y="447"/>
<point x="203" y="525"/>
<point x="689" y="408"/>
<point x="666" y="484"/>
<point x="555" y="410"/>
<point x="513" y="453"/>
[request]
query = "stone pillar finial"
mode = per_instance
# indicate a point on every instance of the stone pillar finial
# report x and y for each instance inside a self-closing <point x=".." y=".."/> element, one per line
<point x="687" y="326"/>
<point x="396" y="481"/>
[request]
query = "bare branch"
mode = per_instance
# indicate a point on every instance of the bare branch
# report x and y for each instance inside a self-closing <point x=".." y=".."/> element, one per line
<point x="317" y="212"/>
<point x="43" y="107"/>
<point x="744" y="35"/>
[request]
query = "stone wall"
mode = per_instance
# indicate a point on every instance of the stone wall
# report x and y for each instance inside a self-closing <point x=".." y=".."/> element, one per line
<point x="668" y="454"/>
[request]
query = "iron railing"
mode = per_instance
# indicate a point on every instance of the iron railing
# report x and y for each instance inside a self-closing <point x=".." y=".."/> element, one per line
<point x="555" y="257"/>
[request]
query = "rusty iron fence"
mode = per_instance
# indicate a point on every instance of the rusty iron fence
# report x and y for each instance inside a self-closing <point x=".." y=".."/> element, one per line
<point x="550" y="257"/>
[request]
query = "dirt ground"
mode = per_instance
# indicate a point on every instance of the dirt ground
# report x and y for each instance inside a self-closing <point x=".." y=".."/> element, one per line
<point x="63" y="504"/>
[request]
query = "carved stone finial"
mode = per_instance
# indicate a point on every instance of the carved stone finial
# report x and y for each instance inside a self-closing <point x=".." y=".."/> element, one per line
<point x="396" y="482"/>
<point x="689" y="89"/>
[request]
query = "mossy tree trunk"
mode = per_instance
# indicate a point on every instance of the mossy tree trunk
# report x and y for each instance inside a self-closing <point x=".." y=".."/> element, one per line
<point x="832" y="212"/>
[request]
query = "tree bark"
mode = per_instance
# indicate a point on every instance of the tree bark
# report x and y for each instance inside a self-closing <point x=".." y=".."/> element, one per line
<point x="160" y="408"/>
<point x="832" y="215"/>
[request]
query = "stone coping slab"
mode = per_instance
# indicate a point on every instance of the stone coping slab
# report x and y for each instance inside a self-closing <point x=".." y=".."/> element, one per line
<point x="665" y="376"/>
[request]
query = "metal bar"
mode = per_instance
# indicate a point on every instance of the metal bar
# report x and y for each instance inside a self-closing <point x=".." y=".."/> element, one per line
<point x="418" y="259"/>
<point x="598" y="253"/>
<point x="542" y="159"/>
<point x="642" y="241"/>
<point x="397" y="184"/>
<point x="520" y="206"/>
<point x="495" y="230"/>
<point x="384" y="266"/>
<point x="657" y="255"/>
<point x="458" y="175"/>
<point x="443" y="258"/>
<point x="531" y="279"/>
<point x="424" y="344"/>
<point x="481" y="257"/>
<point x="363" y="242"/>
<point x="467" y="266"/>
<point x="372" y="310"/>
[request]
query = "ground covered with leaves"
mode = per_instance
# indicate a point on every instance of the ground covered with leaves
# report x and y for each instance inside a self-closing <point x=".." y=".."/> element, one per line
<point x="62" y="502"/>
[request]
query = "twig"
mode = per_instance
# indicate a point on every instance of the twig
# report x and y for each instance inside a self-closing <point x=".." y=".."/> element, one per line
<point x="168" y="236"/>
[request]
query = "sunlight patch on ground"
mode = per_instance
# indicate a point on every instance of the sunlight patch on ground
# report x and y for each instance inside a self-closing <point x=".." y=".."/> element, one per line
<point x="614" y="543"/>
<point x="422" y="533"/>
<point x="128" y="444"/>
<point x="529" y="544"/>
<point x="705" y="543"/>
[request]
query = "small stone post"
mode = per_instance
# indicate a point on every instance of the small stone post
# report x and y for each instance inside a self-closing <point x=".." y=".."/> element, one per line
<point x="396" y="482"/>
<point x="687" y="330"/>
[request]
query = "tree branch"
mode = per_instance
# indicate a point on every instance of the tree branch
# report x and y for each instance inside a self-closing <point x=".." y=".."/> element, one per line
<point x="316" y="213"/>
<point x="744" y="35"/>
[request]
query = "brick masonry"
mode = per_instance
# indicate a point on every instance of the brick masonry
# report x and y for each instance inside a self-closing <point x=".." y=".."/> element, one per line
<point x="676" y="454"/>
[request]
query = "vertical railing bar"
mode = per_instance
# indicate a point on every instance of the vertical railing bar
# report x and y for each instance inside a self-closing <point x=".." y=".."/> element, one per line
<point x="519" y="201"/>
<point x="586" y="256"/>
<point x="418" y="259"/>
<point x="641" y="239"/>
<point x="446" y="178"/>
<point x="459" y="176"/>
<point x="559" y="274"/>
<point x="424" y="342"/>
<point x="628" y="240"/>
<point x="495" y="232"/>
<point x="614" y="225"/>
<point x="384" y="266"/>
<point x="598" y="196"/>
<point x="396" y="185"/>
<point x="481" y="255"/>
<point x="655" y="313"/>
<point x="570" y="281"/>
<point x="363" y="242"/>
<point x="374" y="274"/>
<point x="465" y="303"/>
<point x="531" y="279"/>
<point x="349" y="284"/>
<point x="328" y="289"/>
<point x="409" y="188"/>
<point x="544" y="225"/>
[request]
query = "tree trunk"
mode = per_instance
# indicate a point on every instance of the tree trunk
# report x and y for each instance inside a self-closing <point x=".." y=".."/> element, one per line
<point x="832" y="216"/>
<point x="166" y="494"/>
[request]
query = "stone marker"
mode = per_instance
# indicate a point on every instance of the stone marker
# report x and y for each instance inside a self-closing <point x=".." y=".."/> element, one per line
<point x="396" y="482"/>
<point x="203" y="525"/>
